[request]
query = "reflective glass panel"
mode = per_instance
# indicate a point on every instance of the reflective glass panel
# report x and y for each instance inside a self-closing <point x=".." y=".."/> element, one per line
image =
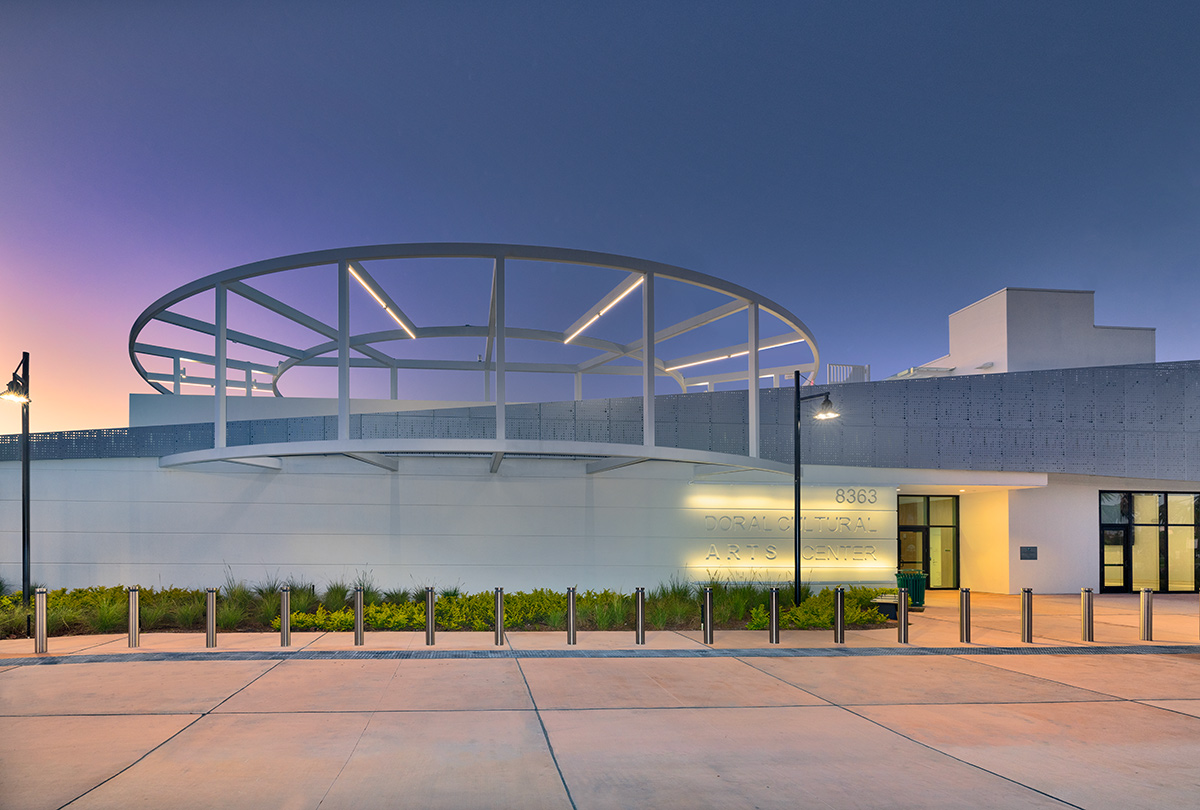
<point x="941" y="511"/>
<point x="942" y="546"/>
<point x="1147" y="508"/>
<point x="911" y="510"/>
<point x="1181" y="509"/>
<point x="912" y="550"/>
<point x="1181" y="558"/>
<point x="1113" y="548"/>
<point x="1114" y="507"/>
<point x="1146" y="557"/>
<point x="1114" y="576"/>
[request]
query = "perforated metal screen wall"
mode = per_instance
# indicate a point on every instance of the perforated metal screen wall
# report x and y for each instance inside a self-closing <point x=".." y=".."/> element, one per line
<point x="1140" y="421"/>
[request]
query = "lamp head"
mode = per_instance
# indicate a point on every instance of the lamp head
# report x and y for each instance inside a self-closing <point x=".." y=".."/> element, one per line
<point x="16" y="391"/>
<point x="826" y="411"/>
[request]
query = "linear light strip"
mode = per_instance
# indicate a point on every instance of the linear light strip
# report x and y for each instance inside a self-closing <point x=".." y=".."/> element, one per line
<point x="380" y="301"/>
<point x="705" y="382"/>
<point x="735" y="354"/>
<point x="610" y="305"/>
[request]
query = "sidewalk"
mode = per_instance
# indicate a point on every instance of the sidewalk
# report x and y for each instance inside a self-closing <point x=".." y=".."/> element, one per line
<point x="871" y="723"/>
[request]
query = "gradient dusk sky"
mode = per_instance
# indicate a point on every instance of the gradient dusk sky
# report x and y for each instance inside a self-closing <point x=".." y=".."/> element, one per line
<point x="873" y="166"/>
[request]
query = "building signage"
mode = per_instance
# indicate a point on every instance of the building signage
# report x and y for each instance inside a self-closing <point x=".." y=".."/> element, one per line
<point x="848" y="533"/>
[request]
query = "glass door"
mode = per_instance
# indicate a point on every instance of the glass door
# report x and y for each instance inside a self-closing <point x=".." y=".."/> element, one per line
<point x="1116" y="561"/>
<point x="928" y="537"/>
<point x="913" y="545"/>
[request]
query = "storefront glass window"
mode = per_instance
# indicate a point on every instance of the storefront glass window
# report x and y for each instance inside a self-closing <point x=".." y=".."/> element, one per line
<point x="912" y="510"/>
<point x="942" y="510"/>
<point x="1147" y="508"/>
<point x="1114" y="507"/>
<point x="1181" y="558"/>
<point x="1149" y="540"/>
<point x="1181" y="509"/>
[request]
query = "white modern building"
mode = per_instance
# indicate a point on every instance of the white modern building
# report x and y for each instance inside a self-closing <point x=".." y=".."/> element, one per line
<point x="1042" y="451"/>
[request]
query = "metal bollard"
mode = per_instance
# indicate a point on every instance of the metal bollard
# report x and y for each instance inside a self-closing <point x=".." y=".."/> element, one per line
<point x="706" y="614"/>
<point x="639" y="616"/>
<point x="902" y="616"/>
<point x="134" y="615"/>
<point x="285" y="616"/>
<point x="39" y="620"/>
<point x="499" y="617"/>
<point x="839" y="615"/>
<point x="430" y="600"/>
<point x="210" y="617"/>
<point x="1087" y="615"/>
<point x="358" y="617"/>
<point x="964" y="615"/>
<point x="1147" y="624"/>
<point x="1027" y="615"/>
<point x="773" y="618"/>
<point x="570" y="616"/>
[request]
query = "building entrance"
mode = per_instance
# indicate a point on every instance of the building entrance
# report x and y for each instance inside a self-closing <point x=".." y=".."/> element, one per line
<point x="928" y="537"/>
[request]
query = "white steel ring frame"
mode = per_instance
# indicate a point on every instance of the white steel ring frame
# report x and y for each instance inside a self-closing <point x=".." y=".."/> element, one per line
<point x="337" y="341"/>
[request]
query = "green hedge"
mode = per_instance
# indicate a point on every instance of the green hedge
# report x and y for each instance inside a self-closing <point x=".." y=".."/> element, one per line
<point x="674" y="606"/>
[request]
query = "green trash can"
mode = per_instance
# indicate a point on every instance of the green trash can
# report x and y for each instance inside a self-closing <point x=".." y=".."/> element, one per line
<point x="914" y="581"/>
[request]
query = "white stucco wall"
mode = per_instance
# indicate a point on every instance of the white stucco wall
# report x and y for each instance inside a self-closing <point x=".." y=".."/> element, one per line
<point x="983" y="543"/>
<point x="1056" y="329"/>
<point x="1018" y="329"/>
<point x="438" y="521"/>
<point x="978" y="335"/>
<point x="536" y="523"/>
<point x="1062" y="521"/>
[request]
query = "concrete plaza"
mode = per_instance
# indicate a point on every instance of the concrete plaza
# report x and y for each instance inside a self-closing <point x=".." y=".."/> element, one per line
<point x="674" y="723"/>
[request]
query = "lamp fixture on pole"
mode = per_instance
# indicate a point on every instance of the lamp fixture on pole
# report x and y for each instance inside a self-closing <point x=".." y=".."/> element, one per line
<point x="18" y="391"/>
<point x="825" y="411"/>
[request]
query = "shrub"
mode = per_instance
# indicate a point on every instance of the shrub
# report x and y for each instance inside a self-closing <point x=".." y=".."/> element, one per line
<point x="268" y="607"/>
<point x="371" y="594"/>
<point x="107" y="615"/>
<point x="817" y="611"/>
<point x="238" y="593"/>
<point x="337" y="595"/>
<point x="556" y="619"/>
<point x="672" y="605"/>
<point x="658" y="613"/>
<point x="304" y="597"/>
<point x="154" y="616"/>
<point x="229" y="615"/>
<point x="12" y="617"/>
<point x="62" y="619"/>
<point x="399" y="596"/>
<point x="610" y="611"/>
<point x="272" y="584"/>
<point x="189" y="614"/>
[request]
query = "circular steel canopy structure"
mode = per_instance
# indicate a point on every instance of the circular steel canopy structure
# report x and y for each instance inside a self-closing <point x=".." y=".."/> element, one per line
<point x="254" y="357"/>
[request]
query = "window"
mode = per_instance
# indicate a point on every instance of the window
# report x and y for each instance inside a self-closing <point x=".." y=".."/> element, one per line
<point x="1149" y="540"/>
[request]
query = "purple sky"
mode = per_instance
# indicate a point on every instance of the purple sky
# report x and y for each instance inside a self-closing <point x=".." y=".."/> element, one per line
<point x="872" y="166"/>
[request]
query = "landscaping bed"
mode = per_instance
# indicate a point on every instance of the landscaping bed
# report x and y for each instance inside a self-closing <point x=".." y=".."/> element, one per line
<point x="242" y="607"/>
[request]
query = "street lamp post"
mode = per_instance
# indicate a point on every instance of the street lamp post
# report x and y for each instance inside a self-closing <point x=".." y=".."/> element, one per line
<point x="18" y="391"/>
<point x="826" y="411"/>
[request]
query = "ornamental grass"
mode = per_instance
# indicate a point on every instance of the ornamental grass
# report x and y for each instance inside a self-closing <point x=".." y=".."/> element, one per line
<point x="674" y="605"/>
